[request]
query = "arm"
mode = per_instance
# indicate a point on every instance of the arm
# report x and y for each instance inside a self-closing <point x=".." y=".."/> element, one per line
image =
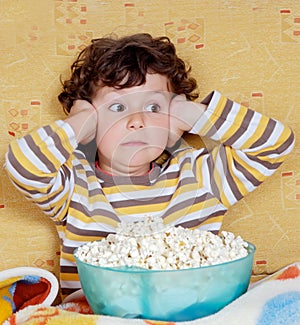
<point x="251" y="147"/>
<point x="40" y="163"/>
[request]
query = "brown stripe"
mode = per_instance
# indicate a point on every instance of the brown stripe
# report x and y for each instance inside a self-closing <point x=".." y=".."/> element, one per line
<point x="46" y="197"/>
<point x="186" y="160"/>
<point x="285" y="145"/>
<point x="38" y="153"/>
<point x="169" y="175"/>
<point x="68" y="291"/>
<point x="197" y="222"/>
<point x="214" y="187"/>
<point x="268" y="164"/>
<point x="141" y="201"/>
<point x="24" y="172"/>
<point x="113" y="181"/>
<point x="81" y="183"/>
<point x="193" y="223"/>
<point x="207" y="99"/>
<point x="69" y="269"/>
<point x="57" y="141"/>
<point x="221" y="119"/>
<point x="62" y="222"/>
<point x="240" y="131"/>
<point x="232" y="184"/>
<point x="152" y="200"/>
<point x="187" y="181"/>
<point x="266" y="135"/>
<point x="186" y="203"/>
<point x="53" y="211"/>
<point x="94" y="212"/>
<point x="250" y="177"/>
<point x="97" y="234"/>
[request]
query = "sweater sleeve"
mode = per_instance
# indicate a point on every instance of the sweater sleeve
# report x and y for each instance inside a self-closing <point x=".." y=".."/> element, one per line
<point x="250" y="147"/>
<point x="39" y="165"/>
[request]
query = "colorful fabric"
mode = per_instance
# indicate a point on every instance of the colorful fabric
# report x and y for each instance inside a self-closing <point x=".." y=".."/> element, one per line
<point x="25" y="286"/>
<point x="272" y="301"/>
<point x="193" y="189"/>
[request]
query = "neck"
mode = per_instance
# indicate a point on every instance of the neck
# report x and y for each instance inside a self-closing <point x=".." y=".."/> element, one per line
<point x="125" y="171"/>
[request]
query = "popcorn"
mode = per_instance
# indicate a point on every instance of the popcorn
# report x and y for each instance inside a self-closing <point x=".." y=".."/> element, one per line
<point x="152" y="245"/>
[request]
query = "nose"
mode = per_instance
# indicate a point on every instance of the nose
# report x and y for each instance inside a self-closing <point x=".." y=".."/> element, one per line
<point x="136" y="121"/>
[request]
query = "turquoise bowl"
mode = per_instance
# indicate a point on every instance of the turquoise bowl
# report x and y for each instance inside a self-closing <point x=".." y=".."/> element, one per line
<point x="175" y="295"/>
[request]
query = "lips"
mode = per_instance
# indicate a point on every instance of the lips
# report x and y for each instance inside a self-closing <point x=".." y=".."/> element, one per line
<point x="134" y="144"/>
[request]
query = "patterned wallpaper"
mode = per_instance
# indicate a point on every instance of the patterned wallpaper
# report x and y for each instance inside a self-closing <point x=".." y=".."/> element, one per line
<point x="248" y="50"/>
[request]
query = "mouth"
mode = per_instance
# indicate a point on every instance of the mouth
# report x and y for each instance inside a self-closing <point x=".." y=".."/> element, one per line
<point x="134" y="144"/>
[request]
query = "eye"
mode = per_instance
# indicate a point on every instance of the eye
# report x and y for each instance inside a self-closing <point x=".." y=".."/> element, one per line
<point x="154" y="108"/>
<point x="117" y="107"/>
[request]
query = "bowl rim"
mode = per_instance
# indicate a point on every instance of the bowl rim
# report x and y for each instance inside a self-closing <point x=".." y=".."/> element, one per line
<point x="135" y="269"/>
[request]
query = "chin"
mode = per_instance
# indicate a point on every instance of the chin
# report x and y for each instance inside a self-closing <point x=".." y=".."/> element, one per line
<point x="145" y="157"/>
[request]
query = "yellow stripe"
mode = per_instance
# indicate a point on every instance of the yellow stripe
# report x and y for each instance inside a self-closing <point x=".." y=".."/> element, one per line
<point x="87" y="219"/>
<point x="235" y="126"/>
<point x="253" y="171"/>
<point x="136" y="188"/>
<point x="189" y="209"/>
<point x="80" y="238"/>
<point x="43" y="198"/>
<point x="69" y="276"/>
<point x="214" y="117"/>
<point x="26" y="163"/>
<point x="240" y="185"/>
<point x="282" y="139"/>
<point x="143" y="208"/>
<point x="219" y="179"/>
<point x="258" y="132"/>
<point x="46" y="152"/>
<point x="218" y="219"/>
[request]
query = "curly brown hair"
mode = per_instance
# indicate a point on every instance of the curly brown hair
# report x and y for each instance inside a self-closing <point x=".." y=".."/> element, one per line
<point x="107" y="61"/>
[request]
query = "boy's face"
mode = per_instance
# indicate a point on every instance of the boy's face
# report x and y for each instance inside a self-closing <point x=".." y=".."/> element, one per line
<point x="133" y="125"/>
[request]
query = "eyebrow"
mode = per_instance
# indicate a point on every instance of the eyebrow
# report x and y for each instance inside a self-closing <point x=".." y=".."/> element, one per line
<point x="151" y="92"/>
<point x="159" y="92"/>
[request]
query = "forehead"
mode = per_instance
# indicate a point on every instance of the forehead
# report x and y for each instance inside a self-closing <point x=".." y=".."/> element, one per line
<point x="155" y="84"/>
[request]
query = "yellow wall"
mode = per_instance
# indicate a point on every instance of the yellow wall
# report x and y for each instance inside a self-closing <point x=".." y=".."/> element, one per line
<point x="248" y="50"/>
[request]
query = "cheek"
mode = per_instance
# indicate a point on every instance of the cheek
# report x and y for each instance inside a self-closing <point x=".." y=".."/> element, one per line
<point x="108" y="136"/>
<point x="161" y="127"/>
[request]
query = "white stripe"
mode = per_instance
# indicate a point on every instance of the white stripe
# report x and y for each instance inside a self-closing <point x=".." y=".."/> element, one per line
<point x="30" y="155"/>
<point x="64" y="194"/>
<point x="57" y="182"/>
<point x="64" y="262"/>
<point x="228" y="123"/>
<point x="256" y="165"/>
<point x="201" y="122"/>
<point x="94" y="226"/>
<point x="249" y="131"/>
<point x="203" y="213"/>
<point x="206" y="116"/>
<point x="70" y="284"/>
<point x="24" y="181"/>
<point x="225" y="189"/>
<point x="248" y="185"/>
<point x="285" y="152"/>
<point x="83" y="200"/>
<point x="273" y="138"/>
<point x="205" y="173"/>
<point x="69" y="131"/>
<point x="146" y="195"/>
<point x="215" y="226"/>
<point x="51" y="146"/>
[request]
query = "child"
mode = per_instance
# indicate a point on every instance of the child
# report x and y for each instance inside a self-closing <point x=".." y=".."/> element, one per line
<point x="134" y="98"/>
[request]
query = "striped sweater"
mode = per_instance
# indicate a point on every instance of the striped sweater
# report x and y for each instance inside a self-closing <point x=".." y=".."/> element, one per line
<point x="193" y="188"/>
